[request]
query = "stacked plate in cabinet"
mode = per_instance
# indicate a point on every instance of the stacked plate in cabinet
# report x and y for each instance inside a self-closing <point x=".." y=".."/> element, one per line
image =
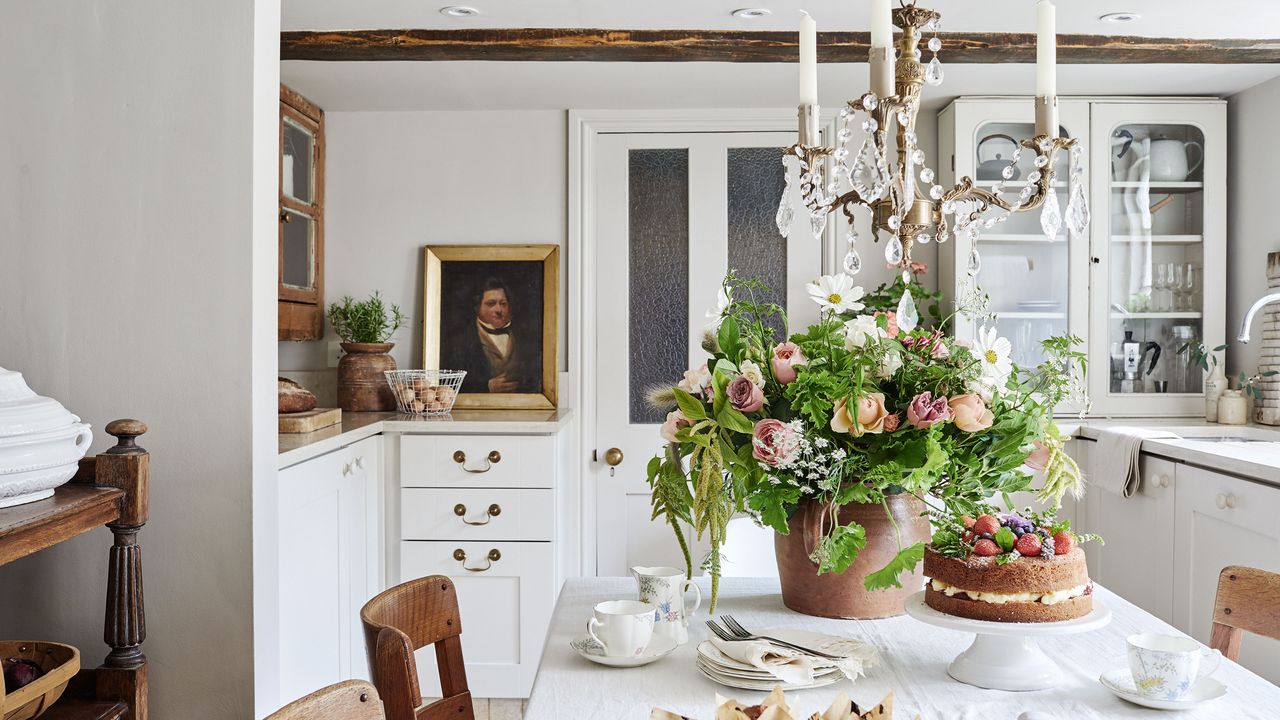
<point x="41" y="443"/>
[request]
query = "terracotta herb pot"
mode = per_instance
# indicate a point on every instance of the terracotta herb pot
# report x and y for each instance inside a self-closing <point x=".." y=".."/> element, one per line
<point x="362" y="387"/>
<point x="842" y="595"/>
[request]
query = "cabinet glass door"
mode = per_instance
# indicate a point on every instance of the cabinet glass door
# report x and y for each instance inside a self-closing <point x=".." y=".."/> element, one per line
<point x="1158" y="178"/>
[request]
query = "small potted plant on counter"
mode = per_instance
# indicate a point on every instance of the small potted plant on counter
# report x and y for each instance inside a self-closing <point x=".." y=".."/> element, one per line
<point x="365" y="328"/>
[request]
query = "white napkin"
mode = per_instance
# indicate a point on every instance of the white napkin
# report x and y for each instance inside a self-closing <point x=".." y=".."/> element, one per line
<point x="792" y="666"/>
<point x="1118" y="451"/>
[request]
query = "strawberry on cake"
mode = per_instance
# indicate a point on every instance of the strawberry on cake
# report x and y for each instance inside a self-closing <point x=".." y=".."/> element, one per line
<point x="1008" y="567"/>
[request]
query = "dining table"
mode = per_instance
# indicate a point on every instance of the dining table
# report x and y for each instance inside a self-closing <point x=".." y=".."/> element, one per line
<point x="912" y="663"/>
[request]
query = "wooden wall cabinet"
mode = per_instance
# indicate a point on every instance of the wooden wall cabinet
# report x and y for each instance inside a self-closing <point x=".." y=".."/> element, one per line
<point x="301" y="218"/>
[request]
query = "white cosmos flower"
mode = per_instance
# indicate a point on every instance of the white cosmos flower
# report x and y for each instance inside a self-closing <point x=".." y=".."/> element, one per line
<point x="752" y="372"/>
<point x="717" y="315"/>
<point x="993" y="351"/>
<point x="836" y="293"/>
<point x="861" y="330"/>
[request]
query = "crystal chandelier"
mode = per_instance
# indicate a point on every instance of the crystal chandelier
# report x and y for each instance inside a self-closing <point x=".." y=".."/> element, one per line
<point x="904" y="200"/>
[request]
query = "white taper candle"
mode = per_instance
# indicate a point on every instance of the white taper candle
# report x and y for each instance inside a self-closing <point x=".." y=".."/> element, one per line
<point x="881" y="24"/>
<point x="808" y="60"/>
<point x="1046" y="50"/>
<point x="882" y="61"/>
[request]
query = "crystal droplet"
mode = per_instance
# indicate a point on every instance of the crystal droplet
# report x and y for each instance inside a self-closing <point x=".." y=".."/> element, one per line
<point x="851" y="235"/>
<point x="1007" y="172"/>
<point x="893" y="251"/>
<point x="1046" y="144"/>
<point x="1051" y="217"/>
<point x="894" y="222"/>
<point x="935" y="44"/>
<point x="867" y="176"/>
<point x="924" y="238"/>
<point x="975" y="263"/>
<point x="1041" y="160"/>
<point x="818" y="223"/>
<point x="908" y="316"/>
<point x="906" y="276"/>
<point x="933" y="72"/>
<point x="903" y="118"/>
<point x="869" y="101"/>
<point x="936" y="191"/>
<point x="852" y="262"/>
<point x="870" y="125"/>
<point x="917" y="156"/>
<point x="1077" y="210"/>
<point x="785" y="212"/>
<point x="926" y="175"/>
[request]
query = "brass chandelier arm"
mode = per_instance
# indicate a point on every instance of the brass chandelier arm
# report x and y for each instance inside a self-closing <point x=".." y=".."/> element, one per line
<point x="968" y="191"/>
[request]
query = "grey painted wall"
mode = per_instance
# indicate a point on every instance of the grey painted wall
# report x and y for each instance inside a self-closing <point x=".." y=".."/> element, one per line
<point x="128" y="289"/>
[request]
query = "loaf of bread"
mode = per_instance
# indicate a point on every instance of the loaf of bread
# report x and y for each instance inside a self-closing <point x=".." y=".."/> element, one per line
<point x="294" y="398"/>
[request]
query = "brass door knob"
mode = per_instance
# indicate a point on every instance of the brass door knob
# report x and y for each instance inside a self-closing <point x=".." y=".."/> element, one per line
<point x="613" y="456"/>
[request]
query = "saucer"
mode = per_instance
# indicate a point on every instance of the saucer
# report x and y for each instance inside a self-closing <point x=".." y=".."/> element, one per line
<point x="659" y="647"/>
<point x="1120" y="682"/>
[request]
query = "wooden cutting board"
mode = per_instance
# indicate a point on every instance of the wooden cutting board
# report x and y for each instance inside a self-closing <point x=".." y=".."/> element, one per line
<point x="310" y="421"/>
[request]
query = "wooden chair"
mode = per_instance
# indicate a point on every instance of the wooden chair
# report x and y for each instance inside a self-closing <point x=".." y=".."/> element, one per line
<point x="1248" y="599"/>
<point x="348" y="700"/>
<point x="407" y="617"/>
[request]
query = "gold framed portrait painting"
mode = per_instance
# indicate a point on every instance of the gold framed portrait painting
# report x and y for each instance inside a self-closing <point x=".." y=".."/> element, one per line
<point x="492" y="310"/>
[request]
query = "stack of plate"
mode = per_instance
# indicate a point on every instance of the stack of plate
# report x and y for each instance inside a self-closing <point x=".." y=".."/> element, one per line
<point x="723" y="669"/>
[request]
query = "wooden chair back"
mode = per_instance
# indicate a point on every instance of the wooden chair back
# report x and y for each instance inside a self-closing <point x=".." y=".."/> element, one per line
<point x="349" y="700"/>
<point x="402" y="619"/>
<point x="1248" y="599"/>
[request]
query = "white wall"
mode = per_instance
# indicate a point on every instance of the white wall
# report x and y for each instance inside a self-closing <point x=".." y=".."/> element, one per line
<point x="1251" y="230"/>
<point x="396" y="181"/>
<point x="136" y="282"/>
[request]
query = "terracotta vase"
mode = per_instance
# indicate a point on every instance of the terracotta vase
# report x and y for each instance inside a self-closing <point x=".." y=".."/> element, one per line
<point x="842" y="595"/>
<point x="362" y="387"/>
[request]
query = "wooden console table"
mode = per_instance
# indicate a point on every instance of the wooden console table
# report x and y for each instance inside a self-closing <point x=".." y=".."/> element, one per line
<point x="109" y="489"/>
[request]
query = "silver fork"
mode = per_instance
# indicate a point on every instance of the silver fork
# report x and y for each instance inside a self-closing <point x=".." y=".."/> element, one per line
<point x="736" y="632"/>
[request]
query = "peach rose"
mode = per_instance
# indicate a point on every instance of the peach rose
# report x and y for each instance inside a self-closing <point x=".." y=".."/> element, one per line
<point x="786" y="356"/>
<point x="1039" y="458"/>
<point x="970" y="413"/>
<point x="774" y="443"/>
<point x="675" y="421"/>
<point x="868" y="417"/>
<point x="891" y="327"/>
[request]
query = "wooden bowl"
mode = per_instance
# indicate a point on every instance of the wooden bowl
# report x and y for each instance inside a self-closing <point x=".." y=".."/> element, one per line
<point x="59" y="662"/>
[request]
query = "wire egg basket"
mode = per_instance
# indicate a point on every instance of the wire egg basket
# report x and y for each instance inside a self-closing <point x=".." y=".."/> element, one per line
<point x="425" y="392"/>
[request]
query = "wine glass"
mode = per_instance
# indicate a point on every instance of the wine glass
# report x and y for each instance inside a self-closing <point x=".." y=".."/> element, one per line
<point x="1179" y="288"/>
<point x="1158" y="288"/>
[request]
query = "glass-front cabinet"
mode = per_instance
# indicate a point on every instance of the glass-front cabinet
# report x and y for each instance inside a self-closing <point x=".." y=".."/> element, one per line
<point x="301" y="250"/>
<point x="1143" y="282"/>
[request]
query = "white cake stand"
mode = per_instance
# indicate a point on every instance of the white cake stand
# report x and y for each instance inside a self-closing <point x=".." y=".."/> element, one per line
<point x="1005" y="656"/>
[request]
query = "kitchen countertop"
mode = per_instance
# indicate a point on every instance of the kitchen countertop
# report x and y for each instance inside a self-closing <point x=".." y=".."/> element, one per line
<point x="1255" y="459"/>
<point x="356" y="426"/>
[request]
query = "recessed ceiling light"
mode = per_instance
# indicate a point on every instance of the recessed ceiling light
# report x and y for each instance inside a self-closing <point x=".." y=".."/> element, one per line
<point x="1120" y="17"/>
<point x="459" y="11"/>
<point x="751" y="13"/>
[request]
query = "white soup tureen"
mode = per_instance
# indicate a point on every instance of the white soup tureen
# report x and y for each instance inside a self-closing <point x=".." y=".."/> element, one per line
<point x="41" y="442"/>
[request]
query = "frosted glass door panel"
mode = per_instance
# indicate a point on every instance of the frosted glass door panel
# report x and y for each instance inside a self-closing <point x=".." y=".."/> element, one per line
<point x="298" y="250"/>
<point x="296" y="173"/>
<point x="658" y="272"/>
<point x="756" y="249"/>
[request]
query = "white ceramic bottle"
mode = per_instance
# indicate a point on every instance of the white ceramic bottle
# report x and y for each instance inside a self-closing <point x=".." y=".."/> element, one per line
<point x="1213" y="387"/>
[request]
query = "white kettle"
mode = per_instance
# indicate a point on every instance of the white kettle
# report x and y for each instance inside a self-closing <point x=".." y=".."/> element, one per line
<point x="1169" y="159"/>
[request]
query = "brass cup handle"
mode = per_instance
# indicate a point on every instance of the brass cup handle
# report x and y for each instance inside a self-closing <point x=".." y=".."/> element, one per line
<point x="461" y="511"/>
<point x="461" y="458"/>
<point x="461" y="556"/>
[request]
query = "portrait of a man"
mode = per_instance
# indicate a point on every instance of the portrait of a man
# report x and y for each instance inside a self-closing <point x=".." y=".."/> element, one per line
<point x="491" y="310"/>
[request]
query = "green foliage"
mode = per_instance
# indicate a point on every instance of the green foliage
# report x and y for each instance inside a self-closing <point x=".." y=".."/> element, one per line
<point x="904" y="562"/>
<point x="1005" y="538"/>
<point x="368" y="321"/>
<point x="837" y="550"/>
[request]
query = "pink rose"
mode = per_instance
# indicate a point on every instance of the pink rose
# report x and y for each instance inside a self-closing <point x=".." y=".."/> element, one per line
<point x="786" y="356"/>
<point x="868" y="417"/>
<point x="918" y="268"/>
<point x="675" y="421"/>
<point x="744" y="396"/>
<point x="925" y="411"/>
<point x="774" y="443"/>
<point x="1039" y="458"/>
<point x="930" y="344"/>
<point x="891" y="328"/>
<point x="892" y="422"/>
<point x="971" y="413"/>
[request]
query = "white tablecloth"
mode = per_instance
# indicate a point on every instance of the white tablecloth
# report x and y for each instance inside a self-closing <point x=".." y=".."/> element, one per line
<point x="914" y="659"/>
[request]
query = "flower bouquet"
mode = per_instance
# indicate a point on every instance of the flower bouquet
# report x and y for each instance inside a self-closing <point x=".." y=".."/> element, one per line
<point x="838" y="438"/>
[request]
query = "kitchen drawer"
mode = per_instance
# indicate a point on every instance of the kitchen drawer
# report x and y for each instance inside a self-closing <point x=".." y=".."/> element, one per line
<point x="431" y="514"/>
<point x="477" y="461"/>
<point x="505" y="607"/>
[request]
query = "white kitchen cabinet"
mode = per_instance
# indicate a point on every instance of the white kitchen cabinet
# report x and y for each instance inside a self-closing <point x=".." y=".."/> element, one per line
<point x="489" y="512"/>
<point x="1222" y="520"/>
<point x="330" y="550"/>
<point x="1137" y="561"/>
<point x="1151" y="265"/>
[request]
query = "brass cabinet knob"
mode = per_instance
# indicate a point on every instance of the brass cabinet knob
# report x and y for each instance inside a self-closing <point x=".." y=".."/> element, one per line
<point x="613" y="456"/>
<point x="493" y="511"/>
<point x="461" y="556"/>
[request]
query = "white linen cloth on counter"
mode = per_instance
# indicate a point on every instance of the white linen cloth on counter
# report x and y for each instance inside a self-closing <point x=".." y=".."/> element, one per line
<point x="1119" y="450"/>
<point x="795" y="667"/>
<point x="913" y="659"/>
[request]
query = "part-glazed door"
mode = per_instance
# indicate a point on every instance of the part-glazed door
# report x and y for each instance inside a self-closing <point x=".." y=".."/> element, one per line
<point x="673" y="213"/>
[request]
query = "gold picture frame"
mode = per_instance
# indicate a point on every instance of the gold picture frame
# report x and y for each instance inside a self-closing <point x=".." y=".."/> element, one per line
<point x="453" y="289"/>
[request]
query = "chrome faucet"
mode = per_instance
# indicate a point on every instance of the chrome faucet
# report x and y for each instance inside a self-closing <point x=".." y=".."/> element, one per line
<point x="1248" y="317"/>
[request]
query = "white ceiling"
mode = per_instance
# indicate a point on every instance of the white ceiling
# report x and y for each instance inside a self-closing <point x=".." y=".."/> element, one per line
<point x="1172" y="18"/>
<point x="338" y="86"/>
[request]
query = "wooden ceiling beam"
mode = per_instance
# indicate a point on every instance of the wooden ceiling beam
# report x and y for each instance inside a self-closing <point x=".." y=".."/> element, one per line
<point x="590" y="45"/>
